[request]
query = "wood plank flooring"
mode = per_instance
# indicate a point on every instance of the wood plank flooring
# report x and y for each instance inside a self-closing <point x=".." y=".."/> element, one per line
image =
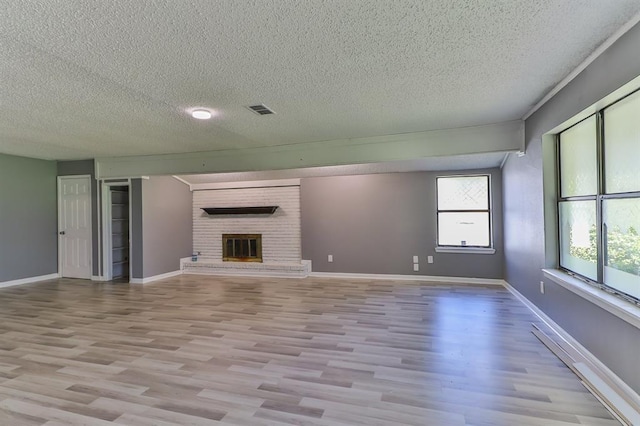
<point x="198" y="350"/>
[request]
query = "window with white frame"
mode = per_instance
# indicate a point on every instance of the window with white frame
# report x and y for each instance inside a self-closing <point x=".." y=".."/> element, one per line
<point x="464" y="211"/>
<point x="599" y="198"/>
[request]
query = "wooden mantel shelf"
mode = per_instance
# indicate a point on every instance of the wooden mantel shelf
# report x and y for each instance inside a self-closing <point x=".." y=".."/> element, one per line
<point x="212" y="211"/>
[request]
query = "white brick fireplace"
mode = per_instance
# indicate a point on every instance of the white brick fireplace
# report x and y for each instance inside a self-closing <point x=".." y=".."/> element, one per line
<point x="281" y="240"/>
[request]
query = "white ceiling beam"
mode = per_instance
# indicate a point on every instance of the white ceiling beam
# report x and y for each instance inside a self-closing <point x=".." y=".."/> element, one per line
<point x="503" y="137"/>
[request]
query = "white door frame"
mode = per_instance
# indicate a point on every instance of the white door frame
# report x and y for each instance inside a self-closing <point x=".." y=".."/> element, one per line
<point x="59" y="184"/>
<point x="107" y="241"/>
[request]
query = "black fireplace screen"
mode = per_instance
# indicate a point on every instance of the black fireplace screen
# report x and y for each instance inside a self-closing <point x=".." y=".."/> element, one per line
<point x="242" y="247"/>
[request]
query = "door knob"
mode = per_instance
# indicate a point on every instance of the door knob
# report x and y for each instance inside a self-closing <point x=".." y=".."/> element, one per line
<point x="61" y="232"/>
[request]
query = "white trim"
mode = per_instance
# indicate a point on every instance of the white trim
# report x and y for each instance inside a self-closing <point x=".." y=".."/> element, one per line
<point x="59" y="224"/>
<point x="74" y="176"/>
<point x="120" y="178"/>
<point x="99" y="225"/>
<point x="504" y="160"/>
<point x="155" y="277"/>
<point x="113" y="181"/>
<point x="97" y="278"/>
<point x="465" y="250"/>
<point x="183" y="181"/>
<point x="592" y="57"/>
<point x="619" y="386"/>
<point x="30" y="280"/>
<point x="622" y="309"/>
<point x="130" y="227"/>
<point x="59" y="181"/>
<point x="245" y="184"/>
<point x="609" y="397"/>
<point x="106" y="230"/>
<point x="430" y="278"/>
<point x="107" y="240"/>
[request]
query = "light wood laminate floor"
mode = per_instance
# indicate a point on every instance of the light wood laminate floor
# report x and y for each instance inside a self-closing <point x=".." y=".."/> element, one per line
<point x="197" y="350"/>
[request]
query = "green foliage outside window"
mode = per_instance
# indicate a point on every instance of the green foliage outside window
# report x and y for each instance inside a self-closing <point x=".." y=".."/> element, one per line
<point x="623" y="250"/>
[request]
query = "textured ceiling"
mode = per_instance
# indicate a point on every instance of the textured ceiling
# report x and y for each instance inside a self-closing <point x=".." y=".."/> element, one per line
<point x="84" y="79"/>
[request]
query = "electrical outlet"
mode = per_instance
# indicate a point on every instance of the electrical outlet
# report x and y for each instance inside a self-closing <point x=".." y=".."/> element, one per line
<point x="330" y="258"/>
<point x="542" y="287"/>
<point x="416" y="267"/>
<point x="415" y="259"/>
<point x="429" y="259"/>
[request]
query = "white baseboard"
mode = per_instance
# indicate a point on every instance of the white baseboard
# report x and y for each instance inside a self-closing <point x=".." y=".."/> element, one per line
<point x="29" y="280"/>
<point x="429" y="278"/>
<point x="98" y="278"/>
<point x="623" y="390"/>
<point x="155" y="277"/>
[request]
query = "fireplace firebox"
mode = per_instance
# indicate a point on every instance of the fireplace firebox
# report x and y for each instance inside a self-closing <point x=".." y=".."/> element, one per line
<point x="242" y="247"/>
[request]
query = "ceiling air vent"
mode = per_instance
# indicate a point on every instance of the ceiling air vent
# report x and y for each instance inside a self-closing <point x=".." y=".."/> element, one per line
<point x="260" y="109"/>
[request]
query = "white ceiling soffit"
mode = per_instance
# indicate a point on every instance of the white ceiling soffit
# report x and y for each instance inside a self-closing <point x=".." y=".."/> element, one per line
<point x="505" y="137"/>
<point x="449" y="163"/>
<point x="116" y="78"/>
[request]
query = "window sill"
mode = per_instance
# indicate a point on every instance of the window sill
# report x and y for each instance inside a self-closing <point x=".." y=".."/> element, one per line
<point x="465" y="250"/>
<point x="624" y="310"/>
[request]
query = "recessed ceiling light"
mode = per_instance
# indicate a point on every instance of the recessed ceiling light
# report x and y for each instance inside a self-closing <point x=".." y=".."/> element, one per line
<point x="201" y="114"/>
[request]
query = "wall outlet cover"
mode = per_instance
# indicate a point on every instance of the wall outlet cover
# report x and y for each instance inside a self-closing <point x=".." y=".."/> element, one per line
<point x="415" y="259"/>
<point x="429" y="259"/>
<point x="330" y="258"/>
<point x="416" y="267"/>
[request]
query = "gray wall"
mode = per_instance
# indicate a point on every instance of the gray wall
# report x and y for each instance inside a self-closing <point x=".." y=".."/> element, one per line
<point x="376" y="223"/>
<point x="136" y="256"/>
<point x="28" y="218"/>
<point x="167" y="225"/>
<point x="86" y="167"/>
<point x="613" y="341"/>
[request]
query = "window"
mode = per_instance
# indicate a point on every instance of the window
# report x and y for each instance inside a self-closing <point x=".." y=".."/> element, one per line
<point x="599" y="198"/>
<point x="578" y="191"/>
<point x="464" y="211"/>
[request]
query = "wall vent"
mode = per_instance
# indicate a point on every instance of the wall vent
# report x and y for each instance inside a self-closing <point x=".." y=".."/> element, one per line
<point x="260" y="109"/>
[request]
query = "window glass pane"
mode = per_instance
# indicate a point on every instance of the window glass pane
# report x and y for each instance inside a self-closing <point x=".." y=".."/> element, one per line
<point x="622" y="245"/>
<point x="622" y="145"/>
<point x="578" y="164"/>
<point x="578" y="249"/>
<point x="463" y="229"/>
<point x="463" y="193"/>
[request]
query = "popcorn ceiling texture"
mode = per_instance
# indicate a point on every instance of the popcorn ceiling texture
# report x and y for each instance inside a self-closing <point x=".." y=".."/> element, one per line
<point x="113" y="78"/>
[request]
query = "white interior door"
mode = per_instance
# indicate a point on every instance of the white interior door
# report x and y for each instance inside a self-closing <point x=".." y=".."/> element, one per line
<point x="74" y="229"/>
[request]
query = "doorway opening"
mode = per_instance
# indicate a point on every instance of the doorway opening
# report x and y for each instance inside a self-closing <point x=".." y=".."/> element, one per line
<point x="116" y="231"/>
